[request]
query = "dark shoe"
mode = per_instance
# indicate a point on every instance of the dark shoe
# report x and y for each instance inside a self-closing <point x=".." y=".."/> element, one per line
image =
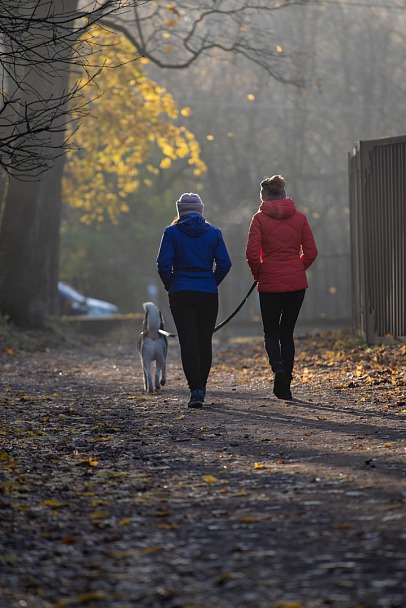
<point x="279" y="385"/>
<point x="288" y="393"/>
<point x="196" y="398"/>
<point x="288" y="380"/>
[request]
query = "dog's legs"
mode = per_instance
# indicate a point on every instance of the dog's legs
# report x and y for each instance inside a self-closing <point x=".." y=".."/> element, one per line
<point x="163" y="375"/>
<point x="147" y="357"/>
<point x="145" y="376"/>
<point x="148" y="378"/>
<point x="157" y="374"/>
<point x="162" y="358"/>
<point x="160" y="372"/>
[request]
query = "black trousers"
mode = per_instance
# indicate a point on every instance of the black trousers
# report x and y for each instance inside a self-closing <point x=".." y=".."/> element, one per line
<point x="279" y="313"/>
<point x="195" y="314"/>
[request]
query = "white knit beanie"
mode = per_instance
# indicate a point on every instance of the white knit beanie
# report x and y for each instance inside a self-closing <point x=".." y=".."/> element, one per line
<point x="189" y="203"/>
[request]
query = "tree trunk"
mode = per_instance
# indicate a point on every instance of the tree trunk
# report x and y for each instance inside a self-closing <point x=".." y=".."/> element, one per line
<point x="29" y="249"/>
<point x="29" y="230"/>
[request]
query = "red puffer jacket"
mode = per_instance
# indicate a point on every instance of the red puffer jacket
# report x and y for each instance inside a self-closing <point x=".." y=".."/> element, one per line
<point x="280" y="247"/>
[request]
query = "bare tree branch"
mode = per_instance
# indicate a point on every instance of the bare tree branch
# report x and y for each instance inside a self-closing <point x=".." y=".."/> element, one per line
<point x="175" y="35"/>
<point x="42" y="41"/>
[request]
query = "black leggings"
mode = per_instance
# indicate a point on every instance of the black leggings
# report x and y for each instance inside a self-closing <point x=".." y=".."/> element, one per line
<point x="195" y="314"/>
<point x="279" y="313"/>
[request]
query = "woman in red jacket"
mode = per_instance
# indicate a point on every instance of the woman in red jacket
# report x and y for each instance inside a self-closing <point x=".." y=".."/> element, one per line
<point x="280" y="249"/>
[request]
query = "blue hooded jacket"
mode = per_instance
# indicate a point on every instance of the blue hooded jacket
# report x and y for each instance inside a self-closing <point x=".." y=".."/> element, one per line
<point x="192" y="256"/>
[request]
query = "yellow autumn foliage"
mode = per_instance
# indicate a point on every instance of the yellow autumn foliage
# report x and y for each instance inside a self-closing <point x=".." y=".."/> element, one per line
<point x="131" y="118"/>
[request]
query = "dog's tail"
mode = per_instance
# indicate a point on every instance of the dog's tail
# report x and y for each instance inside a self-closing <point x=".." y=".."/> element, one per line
<point x="153" y="319"/>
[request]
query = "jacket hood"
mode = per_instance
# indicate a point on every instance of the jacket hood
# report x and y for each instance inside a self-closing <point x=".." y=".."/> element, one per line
<point x="193" y="224"/>
<point x="280" y="209"/>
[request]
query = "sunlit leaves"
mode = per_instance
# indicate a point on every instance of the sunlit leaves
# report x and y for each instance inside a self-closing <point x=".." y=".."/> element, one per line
<point x="132" y="119"/>
<point x="165" y="163"/>
<point x="338" y="363"/>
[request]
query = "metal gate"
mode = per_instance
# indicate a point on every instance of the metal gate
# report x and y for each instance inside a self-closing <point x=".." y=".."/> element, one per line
<point x="377" y="183"/>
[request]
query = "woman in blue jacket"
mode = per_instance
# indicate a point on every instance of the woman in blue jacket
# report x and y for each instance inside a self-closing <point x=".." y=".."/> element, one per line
<point x="192" y="261"/>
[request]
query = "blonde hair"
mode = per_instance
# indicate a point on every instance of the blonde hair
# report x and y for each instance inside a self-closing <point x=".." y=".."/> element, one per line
<point x="273" y="186"/>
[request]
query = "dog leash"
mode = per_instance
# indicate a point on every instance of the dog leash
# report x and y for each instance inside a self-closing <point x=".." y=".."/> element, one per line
<point x="220" y="325"/>
<point x="167" y="333"/>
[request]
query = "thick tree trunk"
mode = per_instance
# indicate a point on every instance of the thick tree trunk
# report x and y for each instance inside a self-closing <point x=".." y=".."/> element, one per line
<point x="29" y="230"/>
<point x="29" y="249"/>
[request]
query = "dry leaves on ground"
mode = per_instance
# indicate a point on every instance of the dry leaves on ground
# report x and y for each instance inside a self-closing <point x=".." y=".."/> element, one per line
<point x="111" y="498"/>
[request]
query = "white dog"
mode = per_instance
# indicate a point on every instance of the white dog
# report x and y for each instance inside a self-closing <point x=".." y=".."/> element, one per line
<point x="153" y="346"/>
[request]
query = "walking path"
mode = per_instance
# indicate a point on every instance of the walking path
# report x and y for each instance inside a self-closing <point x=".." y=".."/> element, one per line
<point x="111" y="498"/>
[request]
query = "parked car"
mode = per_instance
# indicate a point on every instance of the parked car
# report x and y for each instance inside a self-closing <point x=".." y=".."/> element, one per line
<point x="72" y="302"/>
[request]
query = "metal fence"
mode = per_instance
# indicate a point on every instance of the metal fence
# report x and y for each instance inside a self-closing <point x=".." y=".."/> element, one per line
<point x="377" y="184"/>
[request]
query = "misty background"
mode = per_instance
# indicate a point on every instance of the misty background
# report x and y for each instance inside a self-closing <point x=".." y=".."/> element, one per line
<point x="349" y="63"/>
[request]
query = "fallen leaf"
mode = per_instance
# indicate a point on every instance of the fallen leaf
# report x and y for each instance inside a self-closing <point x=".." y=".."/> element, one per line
<point x="125" y="521"/>
<point x="52" y="502"/>
<point x="91" y="596"/>
<point x="210" y="478"/>
<point x="100" y="515"/>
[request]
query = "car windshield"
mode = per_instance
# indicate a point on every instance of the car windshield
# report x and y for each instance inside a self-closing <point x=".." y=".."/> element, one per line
<point x="71" y="292"/>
